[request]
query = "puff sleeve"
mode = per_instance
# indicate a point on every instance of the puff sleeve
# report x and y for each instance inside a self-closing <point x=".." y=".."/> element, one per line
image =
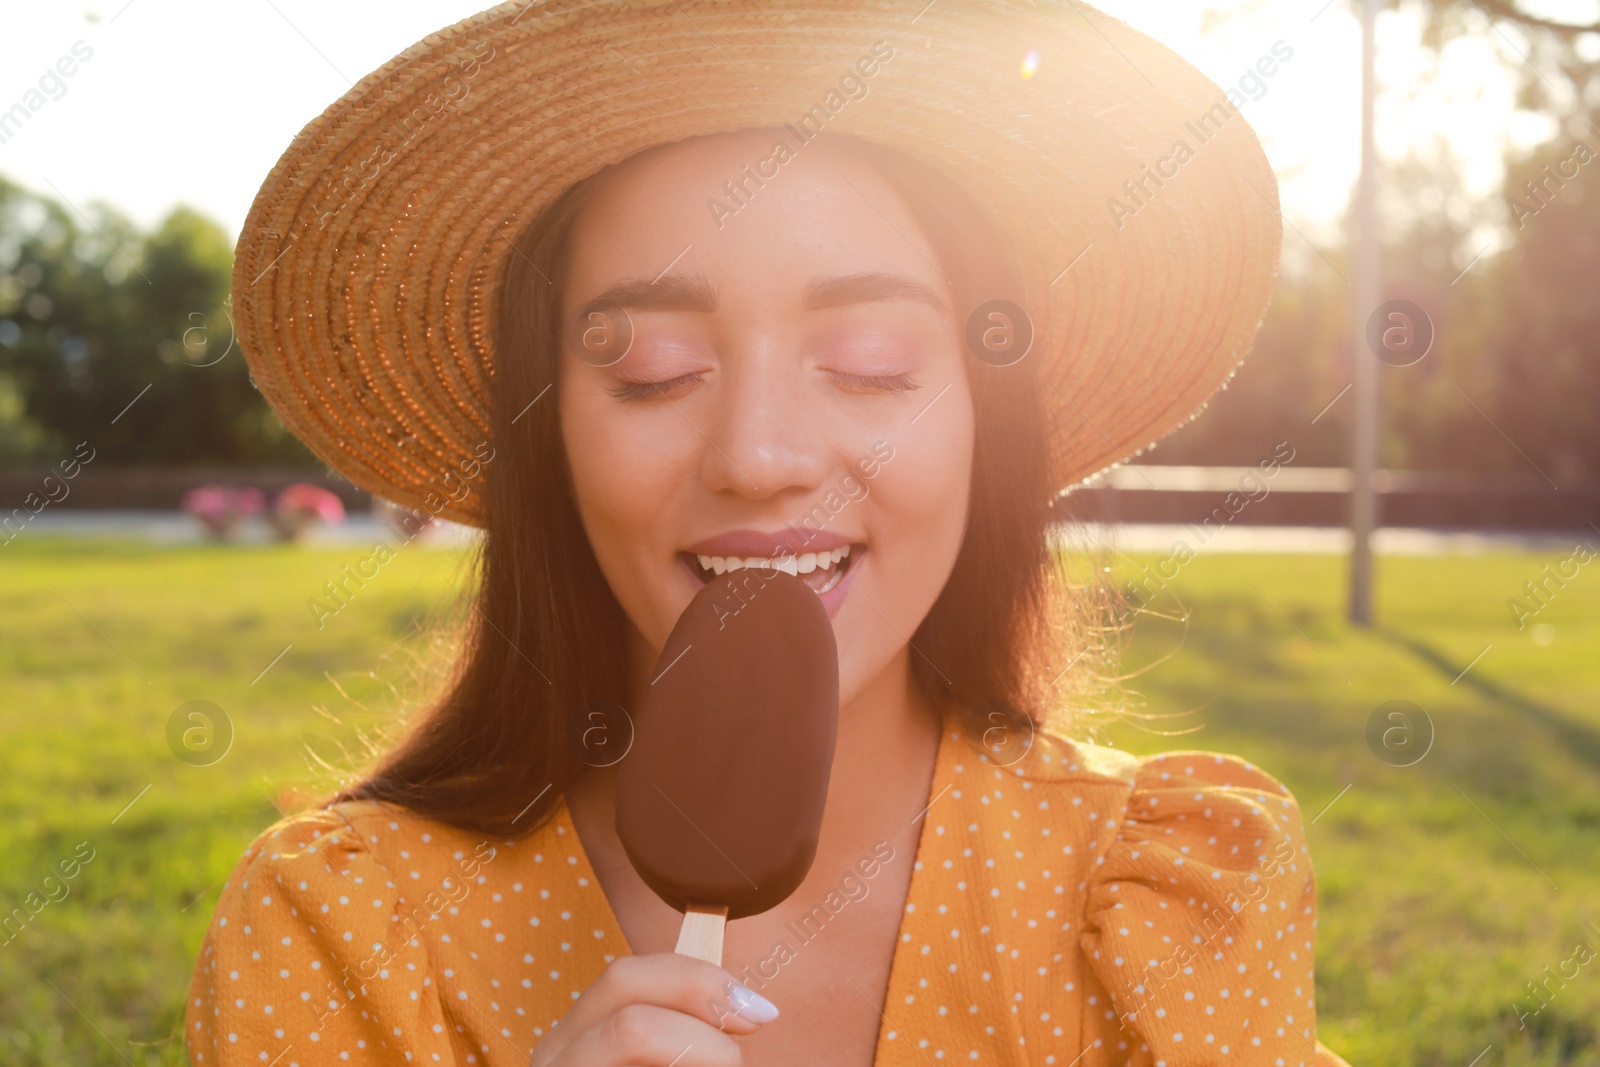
<point x="1201" y="918"/>
<point x="303" y="964"/>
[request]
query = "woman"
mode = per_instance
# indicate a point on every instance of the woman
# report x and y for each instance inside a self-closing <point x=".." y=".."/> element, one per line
<point x="656" y="293"/>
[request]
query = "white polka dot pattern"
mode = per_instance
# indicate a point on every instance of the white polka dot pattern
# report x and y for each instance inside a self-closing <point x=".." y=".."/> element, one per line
<point x="1083" y="909"/>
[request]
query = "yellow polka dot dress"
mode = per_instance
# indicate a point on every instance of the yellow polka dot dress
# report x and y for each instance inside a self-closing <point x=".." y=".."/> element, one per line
<point x="1083" y="908"/>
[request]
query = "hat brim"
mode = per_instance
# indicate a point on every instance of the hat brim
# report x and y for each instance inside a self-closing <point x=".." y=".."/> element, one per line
<point x="367" y="279"/>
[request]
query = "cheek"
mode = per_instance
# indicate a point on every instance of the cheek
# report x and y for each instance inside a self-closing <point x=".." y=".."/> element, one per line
<point x="918" y="509"/>
<point x="925" y="492"/>
<point x="623" y="471"/>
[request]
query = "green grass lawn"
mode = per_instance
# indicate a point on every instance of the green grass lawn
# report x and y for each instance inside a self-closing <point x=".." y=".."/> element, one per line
<point x="1446" y="886"/>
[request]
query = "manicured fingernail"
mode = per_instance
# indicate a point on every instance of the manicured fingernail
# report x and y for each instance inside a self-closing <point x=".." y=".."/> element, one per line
<point x="750" y="1005"/>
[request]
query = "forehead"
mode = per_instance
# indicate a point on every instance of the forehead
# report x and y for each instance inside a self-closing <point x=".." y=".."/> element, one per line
<point x="754" y="218"/>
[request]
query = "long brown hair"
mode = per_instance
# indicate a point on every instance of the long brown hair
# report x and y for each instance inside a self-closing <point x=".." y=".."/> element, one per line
<point x="546" y="642"/>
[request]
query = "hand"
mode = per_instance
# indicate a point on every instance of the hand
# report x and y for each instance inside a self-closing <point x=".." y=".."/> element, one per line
<point x="657" y="1010"/>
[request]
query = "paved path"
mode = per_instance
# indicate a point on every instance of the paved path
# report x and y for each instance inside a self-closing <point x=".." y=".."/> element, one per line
<point x="172" y="527"/>
<point x="175" y="527"/>
<point x="1315" y="540"/>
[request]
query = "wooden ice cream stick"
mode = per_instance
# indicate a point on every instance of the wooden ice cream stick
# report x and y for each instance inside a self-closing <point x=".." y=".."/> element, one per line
<point x="701" y="936"/>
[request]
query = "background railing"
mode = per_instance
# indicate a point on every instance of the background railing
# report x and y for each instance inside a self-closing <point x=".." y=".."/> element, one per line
<point x="1319" y="496"/>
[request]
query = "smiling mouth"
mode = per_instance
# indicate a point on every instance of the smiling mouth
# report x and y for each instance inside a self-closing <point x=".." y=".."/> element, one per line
<point x="819" y="570"/>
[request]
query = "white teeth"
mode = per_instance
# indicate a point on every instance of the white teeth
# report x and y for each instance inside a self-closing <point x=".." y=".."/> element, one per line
<point x="789" y="564"/>
<point x="834" y="579"/>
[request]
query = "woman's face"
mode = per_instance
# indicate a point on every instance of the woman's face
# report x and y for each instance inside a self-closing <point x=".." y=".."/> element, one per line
<point x="794" y="389"/>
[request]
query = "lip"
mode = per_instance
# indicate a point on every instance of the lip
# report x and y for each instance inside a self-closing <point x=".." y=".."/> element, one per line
<point x="787" y="541"/>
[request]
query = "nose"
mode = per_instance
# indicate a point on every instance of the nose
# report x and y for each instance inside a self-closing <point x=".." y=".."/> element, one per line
<point x="762" y="436"/>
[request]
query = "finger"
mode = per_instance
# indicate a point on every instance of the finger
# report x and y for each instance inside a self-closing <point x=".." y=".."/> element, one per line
<point x="694" y="987"/>
<point x="650" y="1036"/>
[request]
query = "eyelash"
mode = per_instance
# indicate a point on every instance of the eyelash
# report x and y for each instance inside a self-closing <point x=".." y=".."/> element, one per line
<point x="647" y="390"/>
<point x="886" y="383"/>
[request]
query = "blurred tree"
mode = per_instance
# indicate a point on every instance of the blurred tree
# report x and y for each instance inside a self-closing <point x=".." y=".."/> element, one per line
<point x="1534" y="370"/>
<point x="1514" y="375"/>
<point x="1513" y="380"/>
<point x="1542" y="377"/>
<point x="1558" y="65"/>
<point x="124" y="340"/>
<point x="21" y="437"/>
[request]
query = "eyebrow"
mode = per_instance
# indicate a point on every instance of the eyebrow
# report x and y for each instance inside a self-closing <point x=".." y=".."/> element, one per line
<point x="676" y="293"/>
<point x="694" y="293"/>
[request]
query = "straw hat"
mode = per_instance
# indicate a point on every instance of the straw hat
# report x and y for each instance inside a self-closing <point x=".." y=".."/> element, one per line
<point x="368" y="277"/>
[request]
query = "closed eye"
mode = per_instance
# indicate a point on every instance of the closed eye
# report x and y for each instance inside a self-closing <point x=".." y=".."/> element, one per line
<point x="880" y="383"/>
<point x="650" y="390"/>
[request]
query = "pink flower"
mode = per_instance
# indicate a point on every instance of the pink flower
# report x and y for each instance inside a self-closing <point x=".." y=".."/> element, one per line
<point x="222" y="507"/>
<point x="223" y="502"/>
<point x="307" y="500"/>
